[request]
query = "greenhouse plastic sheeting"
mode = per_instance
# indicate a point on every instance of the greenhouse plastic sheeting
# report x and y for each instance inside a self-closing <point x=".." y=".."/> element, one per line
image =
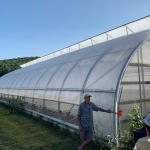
<point x="132" y="27"/>
<point x="94" y="70"/>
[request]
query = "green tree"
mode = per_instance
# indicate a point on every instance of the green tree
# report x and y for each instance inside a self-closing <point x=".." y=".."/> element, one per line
<point x="9" y="65"/>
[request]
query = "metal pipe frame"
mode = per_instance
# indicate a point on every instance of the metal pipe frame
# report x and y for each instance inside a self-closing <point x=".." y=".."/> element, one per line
<point x="12" y="84"/>
<point x="65" y="81"/>
<point x="87" y="77"/>
<point x="29" y="82"/>
<point x="129" y="29"/>
<point x="133" y="101"/>
<point x="22" y="82"/>
<point x="4" y="83"/>
<point x="119" y="51"/>
<point x="108" y="36"/>
<point x="75" y="90"/>
<point x="95" y="36"/>
<point x="118" y="86"/>
<point x="42" y="99"/>
<point x="126" y="30"/>
<point x="144" y="105"/>
<point x="139" y="80"/>
<point x="49" y="82"/>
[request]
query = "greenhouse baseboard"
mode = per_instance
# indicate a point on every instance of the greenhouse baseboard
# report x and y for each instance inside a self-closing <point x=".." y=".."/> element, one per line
<point x="62" y="124"/>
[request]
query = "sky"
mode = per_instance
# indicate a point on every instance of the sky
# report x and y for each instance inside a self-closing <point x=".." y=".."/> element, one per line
<point x="40" y="27"/>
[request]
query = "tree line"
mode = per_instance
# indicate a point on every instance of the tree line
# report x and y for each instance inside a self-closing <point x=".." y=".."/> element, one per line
<point x="9" y="65"/>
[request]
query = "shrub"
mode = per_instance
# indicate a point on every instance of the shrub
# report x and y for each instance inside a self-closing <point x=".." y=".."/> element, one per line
<point x="136" y="120"/>
<point x="16" y="105"/>
<point x="126" y="140"/>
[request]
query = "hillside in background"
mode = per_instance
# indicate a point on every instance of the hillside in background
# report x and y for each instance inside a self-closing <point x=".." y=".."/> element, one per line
<point x="9" y="65"/>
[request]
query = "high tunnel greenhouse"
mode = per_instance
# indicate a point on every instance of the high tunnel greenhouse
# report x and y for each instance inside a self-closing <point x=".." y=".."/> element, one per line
<point x="55" y="87"/>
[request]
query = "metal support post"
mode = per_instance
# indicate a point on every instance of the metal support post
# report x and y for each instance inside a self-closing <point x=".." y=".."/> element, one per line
<point x="139" y="80"/>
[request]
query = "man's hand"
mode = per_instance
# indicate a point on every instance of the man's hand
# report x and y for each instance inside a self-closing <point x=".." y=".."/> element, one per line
<point x="80" y="127"/>
<point x="108" y="111"/>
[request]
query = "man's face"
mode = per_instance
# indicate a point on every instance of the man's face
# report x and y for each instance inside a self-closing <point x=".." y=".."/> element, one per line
<point x="87" y="99"/>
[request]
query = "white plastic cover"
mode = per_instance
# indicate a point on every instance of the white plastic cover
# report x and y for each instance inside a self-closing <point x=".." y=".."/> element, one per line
<point x="66" y="78"/>
<point x="133" y="27"/>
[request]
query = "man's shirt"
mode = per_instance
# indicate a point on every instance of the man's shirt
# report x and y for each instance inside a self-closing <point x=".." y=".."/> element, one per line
<point x="86" y="113"/>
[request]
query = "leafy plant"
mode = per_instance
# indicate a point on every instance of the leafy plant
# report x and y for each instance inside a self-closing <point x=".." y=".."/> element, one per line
<point x="126" y="140"/>
<point x="136" y="120"/>
<point x="16" y="105"/>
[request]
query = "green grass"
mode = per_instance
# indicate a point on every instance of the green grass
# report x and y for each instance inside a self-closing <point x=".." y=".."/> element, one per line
<point x="25" y="132"/>
<point x="3" y="148"/>
<point x="20" y="131"/>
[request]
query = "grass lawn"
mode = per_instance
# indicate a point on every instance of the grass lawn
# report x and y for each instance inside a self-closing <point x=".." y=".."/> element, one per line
<point x="25" y="132"/>
<point x="20" y="131"/>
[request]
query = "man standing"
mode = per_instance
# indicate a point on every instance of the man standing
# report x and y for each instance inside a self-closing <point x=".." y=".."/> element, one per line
<point x="85" y="120"/>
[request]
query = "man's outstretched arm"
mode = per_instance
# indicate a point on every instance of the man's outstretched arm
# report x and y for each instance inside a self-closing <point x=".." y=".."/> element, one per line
<point x="103" y="110"/>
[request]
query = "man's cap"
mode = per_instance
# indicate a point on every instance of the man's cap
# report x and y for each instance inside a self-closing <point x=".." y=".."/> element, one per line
<point x="147" y="120"/>
<point x="87" y="95"/>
